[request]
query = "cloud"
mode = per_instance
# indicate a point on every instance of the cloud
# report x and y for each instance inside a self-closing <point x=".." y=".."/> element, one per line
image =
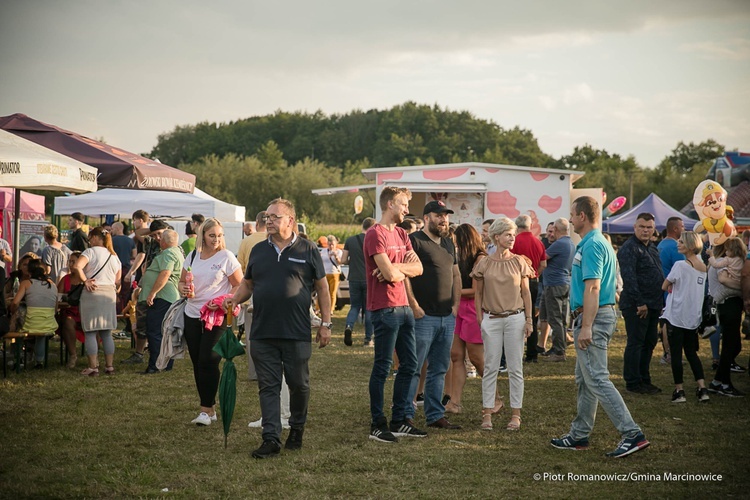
<point x="735" y="49"/>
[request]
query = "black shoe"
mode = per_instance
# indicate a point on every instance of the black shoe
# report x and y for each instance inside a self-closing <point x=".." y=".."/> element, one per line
<point x="134" y="359"/>
<point x="294" y="441"/>
<point x="714" y="366"/>
<point x="651" y="389"/>
<point x="638" y="389"/>
<point x="678" y="396"/>
<point x="540" y="349"/>
<point x="546" y="353"/>
<point x="702" y="394"/>
<point x="530" y="359"/>
<point x="268" y="449"/>
<point x="406" y="428"/>
<point x="348" y="336"/>
<point x="445" y="400"/>
<point x="420" y="399"/>
<point x="380" y="432"/>
<point x="728" y="390"/>
<point x="735" y="368"/>
<point x="150" y="371"/>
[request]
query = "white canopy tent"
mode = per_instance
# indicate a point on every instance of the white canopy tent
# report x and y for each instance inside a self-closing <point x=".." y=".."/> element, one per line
<point x="24" y="164"/>
<point x="159" y="204"/>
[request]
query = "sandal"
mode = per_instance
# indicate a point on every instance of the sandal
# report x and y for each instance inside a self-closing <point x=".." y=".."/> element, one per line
<point x="486" y="421"/>
<point x="72" y="360"/>
<point x="90" y="372"/>
<point x="499" y="405"/>
<point x="452" y="407"/>
<point x="513" y="425"/>
<point x="109" y="370"/>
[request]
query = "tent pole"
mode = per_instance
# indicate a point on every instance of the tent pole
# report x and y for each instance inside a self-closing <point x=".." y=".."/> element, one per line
<point x="16" y="227"/>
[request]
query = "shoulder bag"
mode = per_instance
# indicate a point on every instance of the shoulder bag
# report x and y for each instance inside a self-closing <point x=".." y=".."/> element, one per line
<point x="74" y="294"/>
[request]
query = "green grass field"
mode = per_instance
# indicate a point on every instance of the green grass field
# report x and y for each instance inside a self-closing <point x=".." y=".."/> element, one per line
<point x="129" y="436"/>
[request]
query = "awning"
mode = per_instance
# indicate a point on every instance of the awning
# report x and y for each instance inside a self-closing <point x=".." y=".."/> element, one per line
<point x="438" y="187"/>
<point x="342" y="189"/>
<point x="24" y="164"/>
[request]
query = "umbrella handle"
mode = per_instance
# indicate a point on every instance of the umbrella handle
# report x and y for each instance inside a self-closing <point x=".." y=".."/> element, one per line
<point x="229" y="316"/>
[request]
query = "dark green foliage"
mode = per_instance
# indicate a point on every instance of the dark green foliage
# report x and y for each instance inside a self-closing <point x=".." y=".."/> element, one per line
<point x="408" y="134"/>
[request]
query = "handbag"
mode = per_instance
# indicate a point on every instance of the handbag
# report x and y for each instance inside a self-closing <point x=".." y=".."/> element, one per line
<point x="708" y="316"/>
<point x="74" y="294"/>
<point x="337" y="267"/>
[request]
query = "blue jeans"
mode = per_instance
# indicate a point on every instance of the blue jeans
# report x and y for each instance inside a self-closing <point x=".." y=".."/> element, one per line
<point x="357" y="301"/>
<point x="434" y="338"/>
<point x="394" y="329"/>
<point x="642" y="338"/>
<point x="592" y="379"/>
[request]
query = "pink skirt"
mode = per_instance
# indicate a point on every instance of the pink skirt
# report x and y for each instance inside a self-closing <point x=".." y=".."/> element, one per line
<point x="467" y="328"/>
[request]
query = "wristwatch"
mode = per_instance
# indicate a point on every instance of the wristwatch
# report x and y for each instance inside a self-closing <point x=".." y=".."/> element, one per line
<point x="326" y="325"/>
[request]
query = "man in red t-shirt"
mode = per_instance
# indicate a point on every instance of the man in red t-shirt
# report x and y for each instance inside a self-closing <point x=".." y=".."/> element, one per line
<point x="530" y="246"/>
<point x="389" y="259"/>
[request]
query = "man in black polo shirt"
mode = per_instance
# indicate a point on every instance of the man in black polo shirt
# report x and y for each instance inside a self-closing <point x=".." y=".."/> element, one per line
<point x="434" y="298"/>
<point x="281" y="275"/>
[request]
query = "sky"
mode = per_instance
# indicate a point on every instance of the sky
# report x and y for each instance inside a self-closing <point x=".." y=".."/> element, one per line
<point x="631" y="77"/>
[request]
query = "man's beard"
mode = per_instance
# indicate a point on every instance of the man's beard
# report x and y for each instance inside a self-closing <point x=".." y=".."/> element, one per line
<point x="435" y="229"/>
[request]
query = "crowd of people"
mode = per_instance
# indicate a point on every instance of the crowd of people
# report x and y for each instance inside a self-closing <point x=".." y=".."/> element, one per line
<point x="437" y="300"/>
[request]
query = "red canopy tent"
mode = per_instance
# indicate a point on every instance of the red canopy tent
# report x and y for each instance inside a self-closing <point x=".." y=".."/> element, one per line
<point x="32" y="208"/>
<point x="117" y="168"/>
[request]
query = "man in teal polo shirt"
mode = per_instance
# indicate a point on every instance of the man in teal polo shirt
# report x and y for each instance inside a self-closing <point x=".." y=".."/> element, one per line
<point x="592" y="299"/>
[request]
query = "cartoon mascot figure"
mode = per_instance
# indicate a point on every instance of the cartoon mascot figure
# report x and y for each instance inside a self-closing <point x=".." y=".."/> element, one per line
<point x="710" y="201"/>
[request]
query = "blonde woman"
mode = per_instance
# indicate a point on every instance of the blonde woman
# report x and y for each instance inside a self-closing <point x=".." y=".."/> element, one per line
<point x="216" y="272"/>
<point x="99" y="270"/>
<point x="503" y="306"/>
<point x="686" y="285"/>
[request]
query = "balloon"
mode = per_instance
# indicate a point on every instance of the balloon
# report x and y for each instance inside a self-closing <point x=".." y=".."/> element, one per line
<point x="710" y="202"/>
<point x="359" y="204"/>
<point x="613" y="207"/>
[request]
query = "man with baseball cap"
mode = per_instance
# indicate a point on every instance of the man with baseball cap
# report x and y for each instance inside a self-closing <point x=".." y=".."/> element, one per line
<point x="434" y="298"/>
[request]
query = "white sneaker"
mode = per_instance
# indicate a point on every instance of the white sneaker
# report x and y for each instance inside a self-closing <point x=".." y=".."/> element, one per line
<point x="259" y="423"/>
<point x="214" y="418"/>
<point x="203" y="419"/>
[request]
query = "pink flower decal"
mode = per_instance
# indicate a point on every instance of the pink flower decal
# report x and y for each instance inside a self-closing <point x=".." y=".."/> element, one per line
<point x="502" y="203"/>
<point x="551" y="205"/>
<point x="389" y="176"/>
<point x="444" y="175"/>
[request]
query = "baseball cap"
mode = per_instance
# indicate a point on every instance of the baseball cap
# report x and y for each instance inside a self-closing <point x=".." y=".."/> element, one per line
<point x="437" y="207"/>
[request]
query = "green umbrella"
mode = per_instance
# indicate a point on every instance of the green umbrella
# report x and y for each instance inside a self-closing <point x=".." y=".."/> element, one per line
<point x="228" y="347"/>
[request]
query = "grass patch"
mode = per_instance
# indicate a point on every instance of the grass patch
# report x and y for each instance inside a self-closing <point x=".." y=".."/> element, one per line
<point x="130" y="435"/>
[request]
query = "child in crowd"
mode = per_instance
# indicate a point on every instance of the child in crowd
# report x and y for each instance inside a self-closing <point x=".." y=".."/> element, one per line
<point x="730" y="266"/>
<point x="41" y="302"/>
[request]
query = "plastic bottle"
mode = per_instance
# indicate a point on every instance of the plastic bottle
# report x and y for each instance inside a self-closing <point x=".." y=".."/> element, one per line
<point x="189" y="282"/>
<point x="16" y="284"/>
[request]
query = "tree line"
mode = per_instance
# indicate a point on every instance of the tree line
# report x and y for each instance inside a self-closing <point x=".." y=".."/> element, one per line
<point x="252" y="160"/>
